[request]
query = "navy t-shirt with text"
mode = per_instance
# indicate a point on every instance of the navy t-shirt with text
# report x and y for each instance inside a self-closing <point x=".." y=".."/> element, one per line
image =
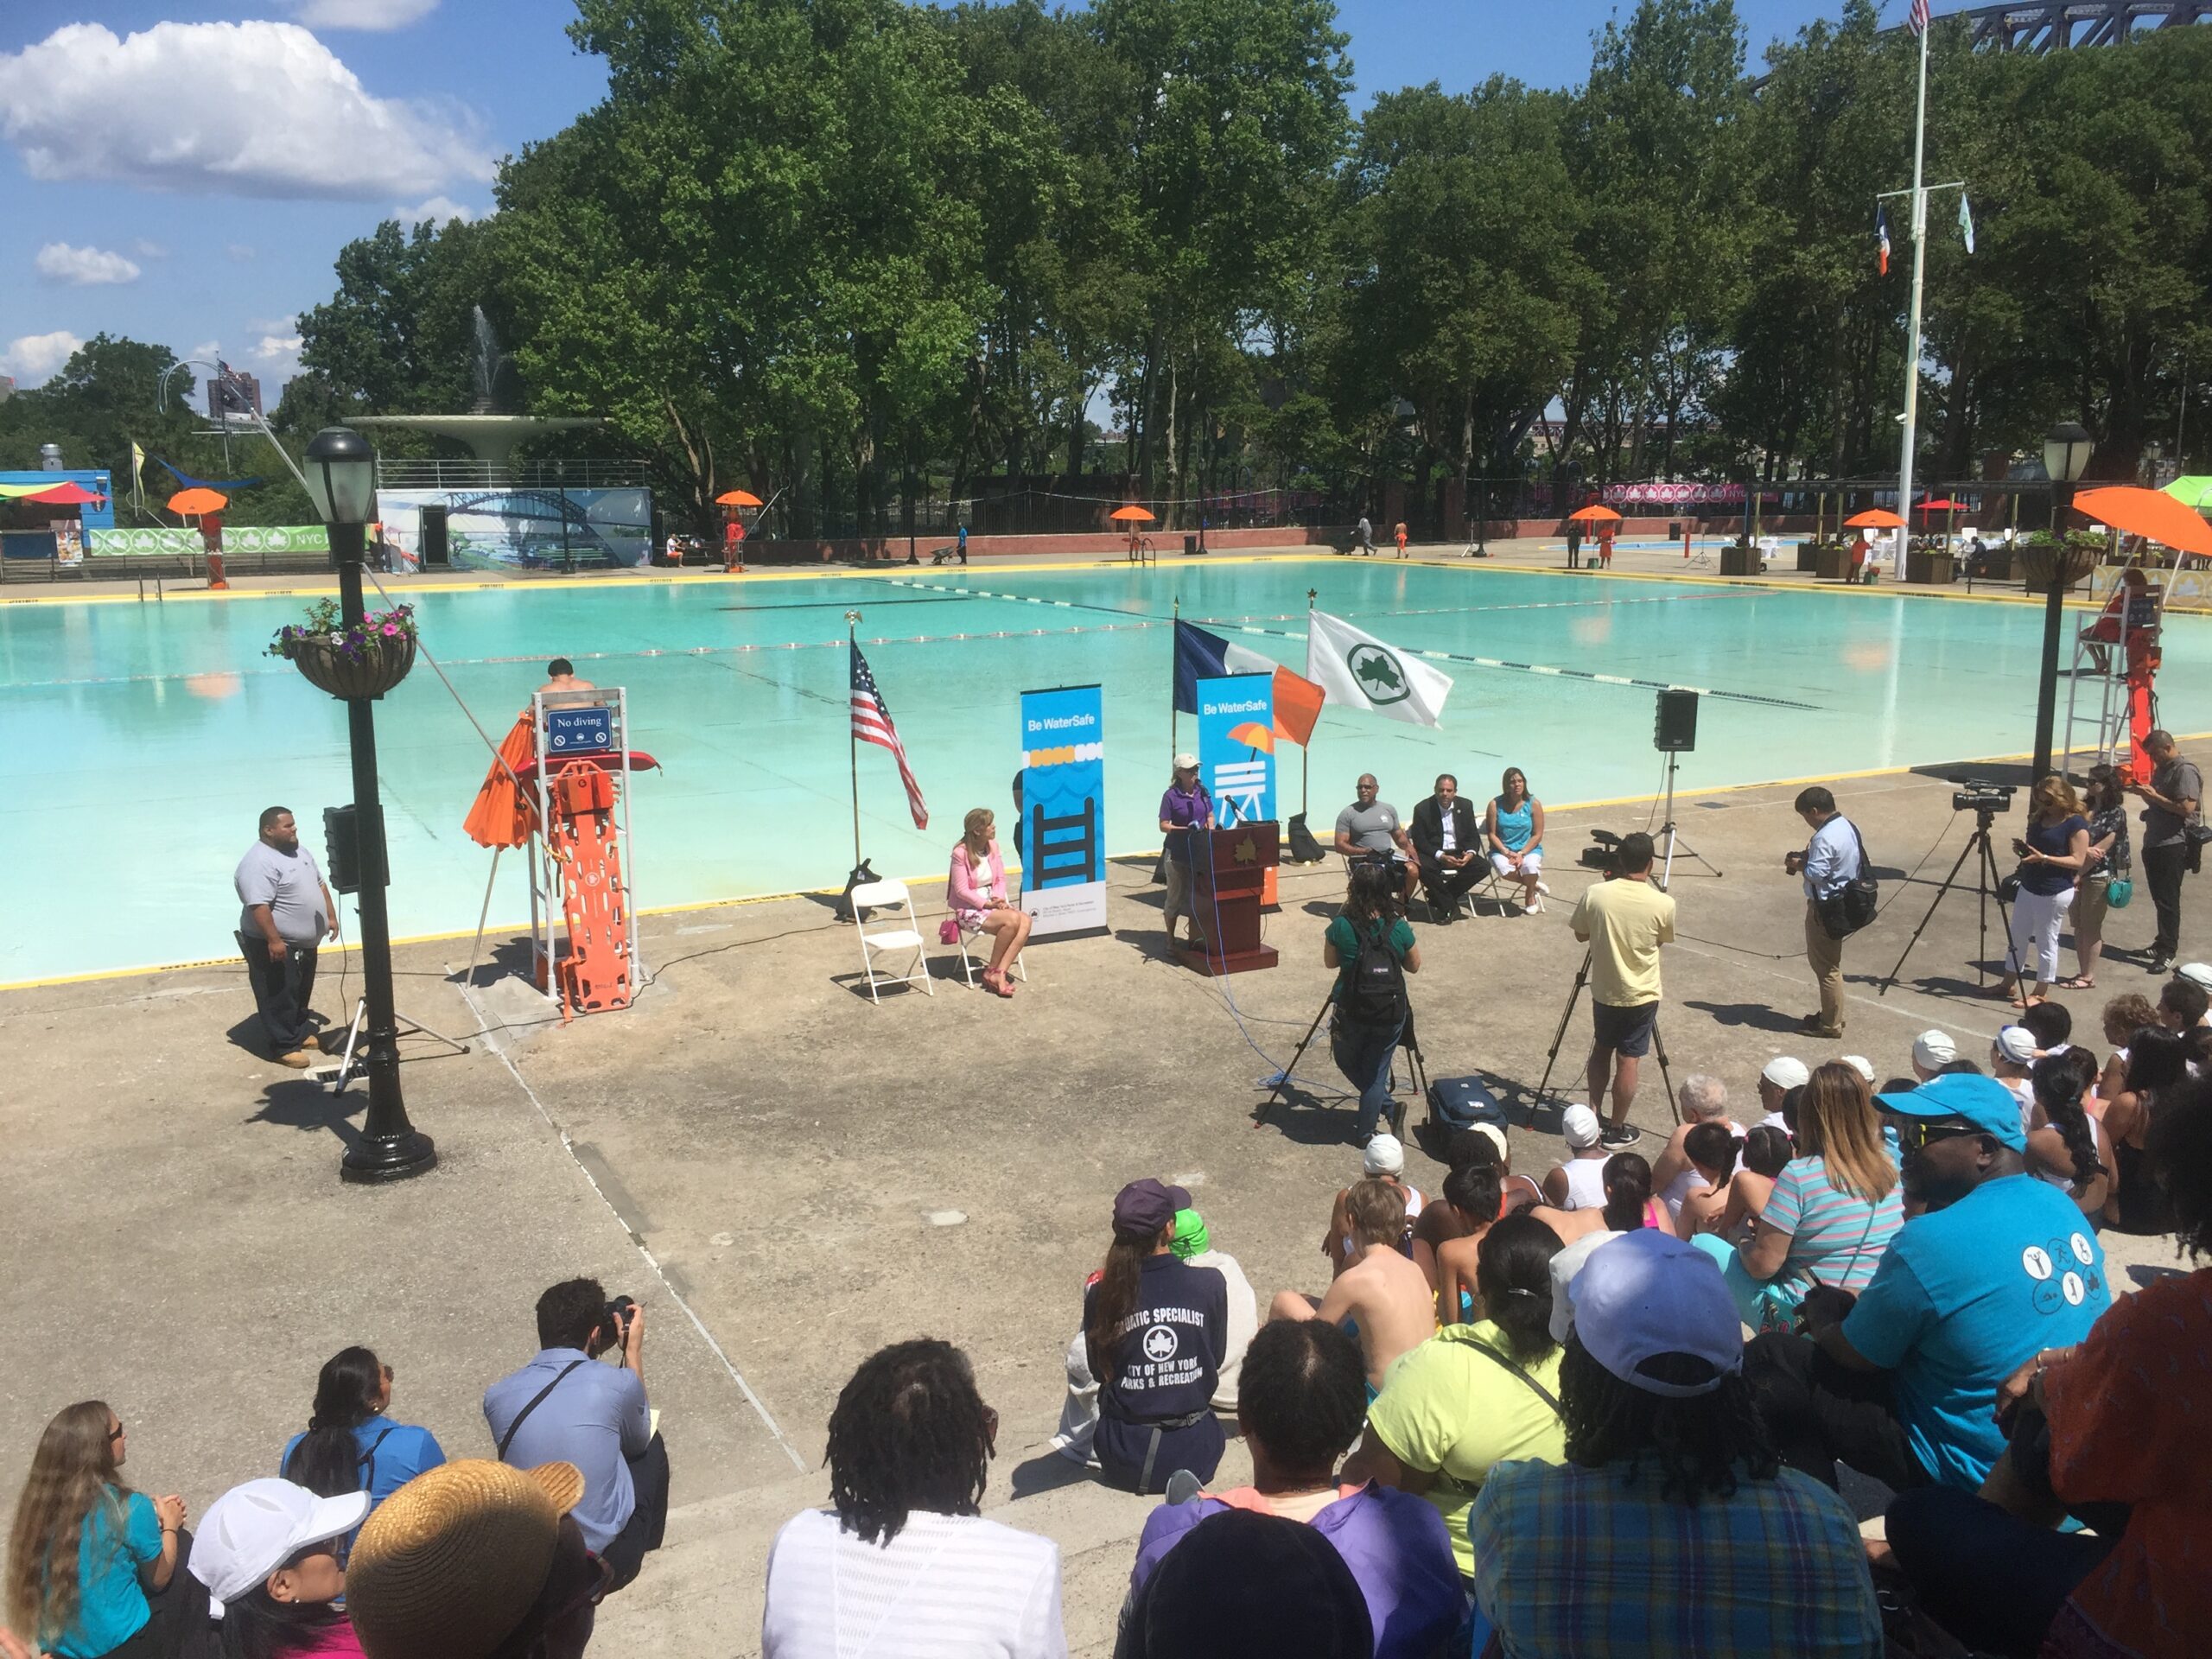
<point x="1166" y="1358"/>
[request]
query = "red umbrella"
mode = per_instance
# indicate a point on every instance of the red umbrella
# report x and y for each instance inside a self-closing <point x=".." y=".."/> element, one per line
<point x="69" y="495"/>
<point x="1941" y="506"/>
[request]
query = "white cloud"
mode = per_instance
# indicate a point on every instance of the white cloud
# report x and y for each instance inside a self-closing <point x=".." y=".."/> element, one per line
<point x="207" y="351"/>
<point x="247" y="109"/>
<point x="283" y="349"/>
<point x="146" y="249"/>
<point x="240" y="252"/>
<point x="437" y="210"/>
<point x="83" y="267"/>
<point x="36" y="358"/>
<point x="363" y="14"/>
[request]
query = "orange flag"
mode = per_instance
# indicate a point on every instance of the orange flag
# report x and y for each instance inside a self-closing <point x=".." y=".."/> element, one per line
<point x="1298" y="705"/>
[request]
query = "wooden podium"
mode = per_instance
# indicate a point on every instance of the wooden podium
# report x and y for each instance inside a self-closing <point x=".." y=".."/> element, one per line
<point x="1229" y="868"/>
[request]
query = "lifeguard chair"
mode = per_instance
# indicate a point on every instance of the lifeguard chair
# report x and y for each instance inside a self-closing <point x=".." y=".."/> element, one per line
<point x="579" y="863"/>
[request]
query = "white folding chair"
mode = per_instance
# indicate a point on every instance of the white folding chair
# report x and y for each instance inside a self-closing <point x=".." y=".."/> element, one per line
<point x="892" y="896"/>
<point x="968" y="962"/>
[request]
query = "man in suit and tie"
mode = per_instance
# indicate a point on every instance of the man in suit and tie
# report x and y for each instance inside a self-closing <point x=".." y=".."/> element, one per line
<point x="1445" y="839"/>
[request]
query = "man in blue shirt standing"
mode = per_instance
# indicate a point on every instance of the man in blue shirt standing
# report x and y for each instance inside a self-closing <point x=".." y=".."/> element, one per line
<point x="1902" y="1383"/>
<point x="564" y="1407"/>
<point x="1832" y="858"/>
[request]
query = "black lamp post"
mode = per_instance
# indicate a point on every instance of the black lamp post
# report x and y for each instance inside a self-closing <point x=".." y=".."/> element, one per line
<point x="2065" y="458"/>
<point x="341" y="477"/>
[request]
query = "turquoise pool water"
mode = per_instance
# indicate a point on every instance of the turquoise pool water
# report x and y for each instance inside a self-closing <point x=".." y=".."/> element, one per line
<point x="137" y="742"/>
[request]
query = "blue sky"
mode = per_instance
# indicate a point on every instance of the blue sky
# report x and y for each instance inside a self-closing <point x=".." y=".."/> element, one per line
<point x="185" y="172"/>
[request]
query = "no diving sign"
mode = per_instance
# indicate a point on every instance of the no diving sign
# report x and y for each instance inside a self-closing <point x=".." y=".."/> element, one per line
<point x="579" y="731"/>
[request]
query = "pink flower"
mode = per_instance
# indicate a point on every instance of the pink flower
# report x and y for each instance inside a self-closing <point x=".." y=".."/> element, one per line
<point x="391" y="629"/>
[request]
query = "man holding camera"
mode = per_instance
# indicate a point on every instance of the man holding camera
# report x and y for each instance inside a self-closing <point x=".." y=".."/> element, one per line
<point x="2170" y="801"/>
<point x="1830" y="862"/>
<point x="1624" y="921"/>
<point x="564" y="1407"/>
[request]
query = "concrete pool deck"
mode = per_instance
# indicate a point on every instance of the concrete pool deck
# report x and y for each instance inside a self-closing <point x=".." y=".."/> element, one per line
<point x="787" y="1177"/>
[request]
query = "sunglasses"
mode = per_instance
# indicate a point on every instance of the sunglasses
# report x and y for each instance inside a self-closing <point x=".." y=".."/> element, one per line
<point x="115" y="1434"/>
<point x="1915" y="1134"/>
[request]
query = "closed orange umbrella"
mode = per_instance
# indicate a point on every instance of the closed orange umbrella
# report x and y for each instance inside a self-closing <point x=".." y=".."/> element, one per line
<point x="502" y="814"/>
<point x="198" y="500"/>
<point x="1873" y="518"/>
<point x="2151" y="513"/>
<point x="1131" y="515"/>
<point x="737" y="499"/>
<point x="1593" y="516"/>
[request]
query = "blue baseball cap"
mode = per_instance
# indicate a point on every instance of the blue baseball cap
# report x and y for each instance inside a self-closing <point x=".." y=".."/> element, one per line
<point x="1983" y="1102"/>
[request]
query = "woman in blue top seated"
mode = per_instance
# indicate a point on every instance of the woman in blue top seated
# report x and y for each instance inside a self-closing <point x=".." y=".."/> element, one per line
<point x="117" y="1545"/>
<point x="1514" y="825"/>
<point x="350" y="1445"/>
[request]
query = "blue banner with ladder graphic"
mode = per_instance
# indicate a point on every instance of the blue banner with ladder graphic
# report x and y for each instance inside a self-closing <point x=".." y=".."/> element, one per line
<point x="1062" y="839"/>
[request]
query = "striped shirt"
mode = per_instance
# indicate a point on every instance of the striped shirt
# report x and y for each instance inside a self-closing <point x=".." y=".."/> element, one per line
<point x="1575" y="1563"/>
<point x="1834" y="1238"/>
<point x="949" y="1586"/>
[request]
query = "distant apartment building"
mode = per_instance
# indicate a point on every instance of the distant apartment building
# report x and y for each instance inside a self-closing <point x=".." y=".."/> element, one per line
<point x="234" y="398"/>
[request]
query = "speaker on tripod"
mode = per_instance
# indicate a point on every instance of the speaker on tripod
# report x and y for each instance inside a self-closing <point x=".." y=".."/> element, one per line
<point x="1674" y="726"/>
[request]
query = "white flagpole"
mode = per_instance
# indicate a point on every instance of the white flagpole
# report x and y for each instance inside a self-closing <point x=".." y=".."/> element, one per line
<point x="1912" y="329"/>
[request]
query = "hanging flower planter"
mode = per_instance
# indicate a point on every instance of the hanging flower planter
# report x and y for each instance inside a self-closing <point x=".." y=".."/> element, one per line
<point x="2043" y="560"/>
<point x="366" y="661"/>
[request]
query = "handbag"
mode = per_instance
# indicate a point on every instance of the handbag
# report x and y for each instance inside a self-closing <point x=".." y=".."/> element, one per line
<point x="948" y="930"/>
<point x="2118" y="892"/>
<point x="1854" y="903"/>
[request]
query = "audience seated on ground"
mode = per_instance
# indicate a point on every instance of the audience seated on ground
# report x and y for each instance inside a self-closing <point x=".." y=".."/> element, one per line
<point x="2052" y="1024"/>
<point x="1578" y="1183"/>
<point x="268" y="1554"/>
<point x="350" y="1445"/>
<point x="2112" y="1430"/>
<point x="1245" y="1583"/>
<point x="1830" y="1214"/>
<point x="1439" y="1223"/>
<point x="1711" y="1151"/>
<point x="1383" y="1159"/>
<point x="120" y="1589"/>
<point x="2158" y="1063"/>
<point x="1776" y="1078"/>
<point x="1671" y="1527"/>
<point x="1302" y="1407"/>
<point x="2011" y="1054"/>
<point x="1479" y="1394"/>
<point x="2123" y="1017"/>
<point x="2065" y="1145"/>
<point x="1156" y="1332"/>
<point x="1705" y="1100"/>
<point x="473" y="1559"/>
<point x="1472" y="1191"/>
<point x="1627" y="1203"/>
<point x="1380" y="1289"/>
<point x="1931" y="1051"/>
<point x="904" y="1539"/>
<point x="2182" y="1004"/>
<point x="1901" y="1382"/>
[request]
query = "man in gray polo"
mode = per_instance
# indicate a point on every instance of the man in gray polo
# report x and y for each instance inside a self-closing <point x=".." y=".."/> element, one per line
<point x="285" y="912"/>
<point x="2171" y="801"/>
<point x="1371" y="828"/>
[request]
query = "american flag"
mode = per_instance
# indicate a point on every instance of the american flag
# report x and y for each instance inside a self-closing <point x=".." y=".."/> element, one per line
<point x="872" y="724"/>
<point x="1916" y="17"/>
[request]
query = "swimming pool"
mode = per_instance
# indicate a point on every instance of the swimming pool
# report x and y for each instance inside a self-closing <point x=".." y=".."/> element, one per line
<point x="141" y="739"/>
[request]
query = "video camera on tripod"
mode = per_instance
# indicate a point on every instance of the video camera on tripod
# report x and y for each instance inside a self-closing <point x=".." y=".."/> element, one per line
<point x="1606" y="855"/>
<point x="1983" y="800"/>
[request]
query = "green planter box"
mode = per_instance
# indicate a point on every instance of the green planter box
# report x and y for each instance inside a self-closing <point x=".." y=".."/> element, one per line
<point x="1809" y="557"/>
<point x="1740" y="561"/>
<point x="1934" y="569"/>
<point x="1834" y="564"/>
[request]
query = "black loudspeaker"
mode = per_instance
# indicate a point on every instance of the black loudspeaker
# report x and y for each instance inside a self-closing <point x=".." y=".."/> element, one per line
<point x="341" y="843"/>
<point x="1674" y="729"/>
<point x="437" y="551"/>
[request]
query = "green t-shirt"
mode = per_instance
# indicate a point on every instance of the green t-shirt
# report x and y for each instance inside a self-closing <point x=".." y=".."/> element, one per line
<point x="1449" y="1411"/>
<point x="1340" y="934"/>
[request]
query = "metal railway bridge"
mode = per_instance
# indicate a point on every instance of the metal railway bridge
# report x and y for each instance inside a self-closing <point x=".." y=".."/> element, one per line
<point x="2055" y="25"/>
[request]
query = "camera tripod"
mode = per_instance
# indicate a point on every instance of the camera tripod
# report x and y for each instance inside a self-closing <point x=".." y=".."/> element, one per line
<point x="350" y="1063"/>
<point x="1987" y="881"/>
<point x="1666" y="869"/>
<point x="1567" y="1014"/>
<point x="1416" y="1068"/>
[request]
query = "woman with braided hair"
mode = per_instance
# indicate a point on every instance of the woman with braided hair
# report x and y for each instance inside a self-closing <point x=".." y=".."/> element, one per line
<point x="2065" y="1145"/>
<point x="903" y="1562"/>
<point x="350" y="1445"/>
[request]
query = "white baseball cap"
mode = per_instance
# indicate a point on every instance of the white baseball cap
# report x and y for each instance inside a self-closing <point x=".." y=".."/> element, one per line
<point x="2198" y="973"/>
<point x="1187" y="762"/>
<point x="1933" y="1049"/>
<point x="1385" y="1156"/>
<point x="1786" y="1073"/>
<point x="1647" y="1293"/>
<point x="1861" y="1064"/>
<point x="1581" y="1124"/>
<point x="251" y="1530"/>
<point x="2017" y="1044"/>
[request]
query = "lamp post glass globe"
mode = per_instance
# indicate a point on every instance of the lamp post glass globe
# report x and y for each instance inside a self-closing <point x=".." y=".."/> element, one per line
<point x="341" y="476"/>
<point x="2066" y="453"/>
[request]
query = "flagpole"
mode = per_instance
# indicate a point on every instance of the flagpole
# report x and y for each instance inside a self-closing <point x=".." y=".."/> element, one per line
<point x="1912" y="327"/>
<point x="853" y="732"/>
<point x="1175" y="730"/>
<point x="1305" y="749"/>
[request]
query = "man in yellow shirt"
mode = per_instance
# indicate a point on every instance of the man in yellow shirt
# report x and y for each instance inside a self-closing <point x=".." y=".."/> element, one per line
<point x="1623" y="919"/>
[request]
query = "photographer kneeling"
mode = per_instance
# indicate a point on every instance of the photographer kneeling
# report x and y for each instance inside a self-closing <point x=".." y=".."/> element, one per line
<point x="1623" y="919"/>
<point x="564" y="1407"/>
<point x="1371" y="946"/>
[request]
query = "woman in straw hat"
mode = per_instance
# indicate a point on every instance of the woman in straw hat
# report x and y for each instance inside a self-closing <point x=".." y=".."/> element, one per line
<point x="476" y="1560"/>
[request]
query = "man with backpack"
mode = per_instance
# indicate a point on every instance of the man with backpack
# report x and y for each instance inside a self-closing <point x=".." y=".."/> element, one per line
<point x="1833" y="864"/>
<point x="1623" y="919"/>
<point x="1371" y="944"/>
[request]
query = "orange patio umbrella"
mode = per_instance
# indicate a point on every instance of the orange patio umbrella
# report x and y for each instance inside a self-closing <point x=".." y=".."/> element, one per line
<point x="1131" y="515"/>
<point x="737" y="499"/>
<point x="1873" y="518"/>
<point x="2150" y="513"/>
<point x="197" y="501"/>
<point x="503" y="814"/>
<point x="1593" y="515"/>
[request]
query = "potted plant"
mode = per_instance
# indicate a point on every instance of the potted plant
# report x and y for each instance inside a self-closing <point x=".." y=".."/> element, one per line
<point x="1927" y="559"/>
<point x="1833" y="562"/>
<point x="2045" y="558"/>
<point x="363" y="661"/>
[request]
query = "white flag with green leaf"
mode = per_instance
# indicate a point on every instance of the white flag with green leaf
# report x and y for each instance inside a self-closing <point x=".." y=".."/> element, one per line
<point x="1966" y="221"/>
<point x="1357" y="670"/>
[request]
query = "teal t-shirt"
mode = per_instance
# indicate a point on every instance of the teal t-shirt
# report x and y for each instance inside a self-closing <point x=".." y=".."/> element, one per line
<point x="1964" y="1297"/>
<point x="1340" y="934"/>
<point x="110" y="1605"/>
